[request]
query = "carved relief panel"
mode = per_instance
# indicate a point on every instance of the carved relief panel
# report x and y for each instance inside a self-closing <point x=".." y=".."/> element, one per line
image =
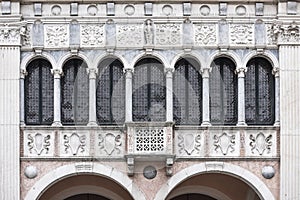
<point x="10" y="34"/>
<point x="241" y="34"/>
<point x="189" y="143"/>
<point x="56" y="36"/>
<point x="224" y="143"/>
<point x="205" y="34"/>
<point x="38" y="143"/>
<point x="92" y="35"/>
<point x="260" y="143"/>
<point x="109" y="144"/>
<point x="74" y="143"/>
<point x="168" y="34"/>
<point x="130" y="35"/>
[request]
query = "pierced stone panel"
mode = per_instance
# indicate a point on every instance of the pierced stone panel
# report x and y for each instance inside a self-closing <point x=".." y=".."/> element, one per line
<point x="261" y="143"/>
<point x="224" y="143"/>
<point x="241" y="34"/>
<point x="168" y="34"/>
<point x="109" y="144"/>
<point x="130" y="35"/>
<point x="38" y="143"/>
<point x="92" y="35"/>
<point x="74" y="143"/>
<point x="205" y="34"/>
<point x="56" y="36"/>
<point x="189" y="143"/>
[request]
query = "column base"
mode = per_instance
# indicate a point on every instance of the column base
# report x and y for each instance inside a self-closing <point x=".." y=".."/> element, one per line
<point x="92" y="124"/>
<point x="206" y="124"/>
<point x="241" y="124"/>
<point x="56" y="124"/>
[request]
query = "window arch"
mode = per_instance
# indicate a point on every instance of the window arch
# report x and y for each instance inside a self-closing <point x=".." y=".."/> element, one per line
<point x="110" y="98"/>
<point x="187" y="93"/>
<point x="39" y="87"/>
<point x="260" y="92"/>
<point x="149" y="92"/>
<point x="75" y="93"/>
<point x="223" y="92"/>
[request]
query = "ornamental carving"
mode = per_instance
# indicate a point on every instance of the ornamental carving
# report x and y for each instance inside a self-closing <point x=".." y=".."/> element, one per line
<point x="241" y="34"/>
<point x="110" y="143"/>
<point x="92" y="35"/>
<point x="25" y="33"/>
<point x="129" y="35"/>
<point x="38" y="143"/>
<point x="260" y="143"/>
<point x="205" y="34"/>
<point x="149" y="32"/>
<point x="168" y="34"/>
<point x="271" y="37"/>
<point x="74" y="143"/>
<point x="9" y="35"/>
<point x="288" y="34"/>
<point x="56" y="36"/>
<point x="224" y="143"/>
<point x="189" y="143"/>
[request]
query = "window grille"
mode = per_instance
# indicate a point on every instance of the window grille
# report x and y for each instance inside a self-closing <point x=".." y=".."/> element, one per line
<point x="75" y="93"/>
<point x="223" y="92"/>
<point x="260" y="93"/>
<point x="187" y="94"/>
<point x="149" y="91"/>
<point x="39" y="93"/>
<point x="110" y="93"/>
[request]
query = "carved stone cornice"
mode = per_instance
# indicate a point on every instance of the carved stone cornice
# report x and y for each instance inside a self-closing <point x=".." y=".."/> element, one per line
<point x="11" y="33"/>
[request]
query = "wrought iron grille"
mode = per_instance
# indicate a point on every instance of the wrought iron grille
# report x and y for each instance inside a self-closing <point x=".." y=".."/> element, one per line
<point x="110" y="93"/>
<point x="223" y="92"/>
<point x="39" y="93"/>
<point x="150" y="140"/>
<point x="75" y="93"/>
<point x="260" y="93"/>
<point x="149" y="92"/>
<point x="187" y="94"/>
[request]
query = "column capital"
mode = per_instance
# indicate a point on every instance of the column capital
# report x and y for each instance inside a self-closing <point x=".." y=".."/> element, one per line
<point x="241" y="72"/>
<point x="23" y="73"/>
<point x="276" y="72"/>
<point x="57" y="73"/>
<point x="92" y="72"/>
<point x="205" y="72"/>
<point x="128" y="70"/>
<point x="169" y="71"/>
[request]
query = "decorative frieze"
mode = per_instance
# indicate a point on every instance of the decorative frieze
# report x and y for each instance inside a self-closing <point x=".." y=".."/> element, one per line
<point x="92" y="35"/>
<point x="110" y="143"/>
<point x="168" y="34"/>
<point x="224" y="143"/>
<point x="39" y="143"/>
<point x="56" y="36"/>
<point x="189" y="143"/>
<point x="10" y="34"/>
<point x="205" y="34"/>
<point x="74" y="143"/>
<point x="241" y="34"/>
<point x="129" y="35"/>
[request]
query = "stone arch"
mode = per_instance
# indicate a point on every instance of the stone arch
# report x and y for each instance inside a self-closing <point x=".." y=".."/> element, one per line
<point x="105" y="56"/>
<point x="230" y="55"/>
<point x="216" y="167"/>
<point x="92" y="169"/>
<point x="26" y="60"/>
<point x="266" y="54"/>
<point x="153" y="55"/>
<point x="197" y="58"/>
<point x="70" y="56"/>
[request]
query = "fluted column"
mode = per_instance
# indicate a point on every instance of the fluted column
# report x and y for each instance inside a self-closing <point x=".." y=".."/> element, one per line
<point x="169" y="94"/>
<point x="57" y="97"/>
<point x="277" y="97"/>
<point x="128" y="95"/>
<point x="92" y="97"/>
<point x="205" y="98"/>
<point x="23" y="73"/>
<point x="241" y="97"/>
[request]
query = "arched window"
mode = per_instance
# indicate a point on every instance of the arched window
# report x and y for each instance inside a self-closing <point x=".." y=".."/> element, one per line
<point x="260" y="93"/>
<point x="75" y="93"/>
<point x="187" y="93"/>
<point x="149" y="92"/>
<point x="223" y="92"/>
<point x="39" y="93"/>
<point x="110" y="92"/>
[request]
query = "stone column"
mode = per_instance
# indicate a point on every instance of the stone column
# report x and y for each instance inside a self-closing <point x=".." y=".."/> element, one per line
<point x="241" y="97"/>
<point x="128" y="95"/>
<point x="23" y="73"/>
<point x="57" y="97"/>
<point x="92" y="97"/>
<point x="205" y="97"/>
<point x="277" y="97"/>
<point x="169" y="94"/>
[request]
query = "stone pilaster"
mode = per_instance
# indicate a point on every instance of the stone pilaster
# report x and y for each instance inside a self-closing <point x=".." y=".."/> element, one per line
<point x="205" y="98"/>
<point x="92" y="97"/>
<point x="128" y="95"/>
<point x="169" y="94"/>
<point x="277" y="97"/>
<point x="57" y="97"/>
<point x="23" y="73"/>
<point x="241" y="97"/>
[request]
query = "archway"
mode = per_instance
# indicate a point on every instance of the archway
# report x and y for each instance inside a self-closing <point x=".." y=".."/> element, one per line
<point x="86" y="197"/>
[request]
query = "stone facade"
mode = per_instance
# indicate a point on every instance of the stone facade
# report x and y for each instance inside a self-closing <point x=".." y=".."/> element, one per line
<point x="262" y="155"/>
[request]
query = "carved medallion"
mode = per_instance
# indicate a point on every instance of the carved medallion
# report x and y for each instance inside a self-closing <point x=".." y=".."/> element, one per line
<point x="110" y="143"/>
<point x="205" y="34"/>
<point x="168" y="34"/>
<point x="241" y="34"/>
<point x="56" y="36"/>
<point x="38" y="143"/>
<point x="92" y="35"/>
<point x="260" y="143"/>
<point x="189" y="143"/>
<point x="225" y="143"/>
<point x="74" y="143"/>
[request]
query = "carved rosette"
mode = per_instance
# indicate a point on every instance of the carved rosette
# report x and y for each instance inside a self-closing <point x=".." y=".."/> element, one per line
<point x="189" y="144"/>
<point x="38" y="144"/>
<point x="110" y="144"/>
<point x="205" y="34"/>
<point x="56" y="36"/>
<point x="74" y="144"/>
<point x="168" y="34"/>
<point x="130" y="35"/>
<point x="241" y="34"/>
<point x="92" y="35"/>
<point x="225" y="144"/>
